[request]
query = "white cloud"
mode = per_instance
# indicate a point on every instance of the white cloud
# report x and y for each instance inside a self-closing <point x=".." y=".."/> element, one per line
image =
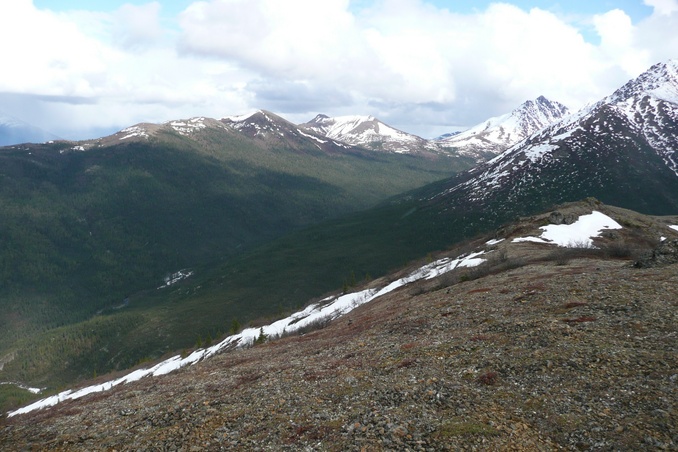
<point x="663" y="7"/>
<point x="44" y="53"/>
<point x="656" y="35"/>
<point x="287" y="39"/>
<point x="423" y="68"/>
<point x="398" y="51"/>
<point x="618" y="42"/>
<point x="137" y="26"/>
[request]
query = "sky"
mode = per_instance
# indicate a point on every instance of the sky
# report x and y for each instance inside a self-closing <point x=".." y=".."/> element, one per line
<point x="83" y="69"/>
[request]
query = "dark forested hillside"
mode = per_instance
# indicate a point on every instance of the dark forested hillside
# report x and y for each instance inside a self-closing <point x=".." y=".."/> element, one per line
<point x="86" y="225"/>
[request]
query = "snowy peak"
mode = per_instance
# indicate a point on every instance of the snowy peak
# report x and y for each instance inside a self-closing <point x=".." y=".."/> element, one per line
<point x="533" y="116"/>
<point x="660" y="81"/>
<point x="368" y="132"/>
<point x="500" y="133"/>
<point x="353" y="129"/>
<point x="260" y="123"/>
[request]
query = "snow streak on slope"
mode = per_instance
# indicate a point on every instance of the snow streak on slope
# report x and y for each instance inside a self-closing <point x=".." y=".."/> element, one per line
<point x="329" y="308"/>
<point x="133" y="131"/>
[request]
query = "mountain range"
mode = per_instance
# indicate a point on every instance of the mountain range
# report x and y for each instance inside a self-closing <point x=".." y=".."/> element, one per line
<point x="621" y="150"/>
<point x="479" y="143"/>
<point x="265" y="215"/>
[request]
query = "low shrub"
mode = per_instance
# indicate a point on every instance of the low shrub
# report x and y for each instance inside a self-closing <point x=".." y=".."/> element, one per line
<point x="488" y="378"/>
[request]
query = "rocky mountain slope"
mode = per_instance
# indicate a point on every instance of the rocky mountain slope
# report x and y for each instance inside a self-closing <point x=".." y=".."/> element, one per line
<point x="537" y="348"/>
<point x="496" y="135"/>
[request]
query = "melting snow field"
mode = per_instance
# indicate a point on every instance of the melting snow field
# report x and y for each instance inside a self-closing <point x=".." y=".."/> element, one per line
<point x="577" y="234"/>
<point x="329" y="308"/>
<point x="675" y="227"/>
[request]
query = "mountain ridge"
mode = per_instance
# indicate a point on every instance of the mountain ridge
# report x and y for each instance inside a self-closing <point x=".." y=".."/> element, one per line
<point x="330" y="134"/>
<point x="632" y="128"/>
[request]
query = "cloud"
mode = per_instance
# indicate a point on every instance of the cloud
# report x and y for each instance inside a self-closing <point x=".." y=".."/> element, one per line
<point x="408" y="61"/>
<point x="618" y="41"/>
<point x="663" y="7"/>
<point x="47" y="53"/>
<point x="656" y="34"/>
<point x="137" y="27"/>
<point x="297" y="96"/>
<point x="400" y="51"/>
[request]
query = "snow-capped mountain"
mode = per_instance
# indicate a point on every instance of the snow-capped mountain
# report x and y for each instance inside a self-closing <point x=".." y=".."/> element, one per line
<point x="621" y="150"/>
<point x="269" y="128"/>
<point x="15" y="131"/>
<point x="261" y="127"/>
<point x="369" y="132"/>
<point x="497" y="134"/>
<point x="480" y="143"/>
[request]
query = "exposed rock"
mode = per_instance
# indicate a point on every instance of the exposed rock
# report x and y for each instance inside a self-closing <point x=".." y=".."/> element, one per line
<point x="665" y="254"/>
<point x="558" y="217"/>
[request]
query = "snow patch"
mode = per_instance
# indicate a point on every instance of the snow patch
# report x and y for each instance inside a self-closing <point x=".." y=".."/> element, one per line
<point x="241" y="118"/>
<point x="312" y="137"/>
<point x="134" y="131"/>
<point x="188" y="127"/>
<point x="176" y="277"/>
<point x="538" y="151"/>
<point x="674" y="227"/>
<point x="577" y="234"/>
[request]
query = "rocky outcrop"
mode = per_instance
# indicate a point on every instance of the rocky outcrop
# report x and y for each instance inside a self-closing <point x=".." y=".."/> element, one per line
<point x="665" y="254"/>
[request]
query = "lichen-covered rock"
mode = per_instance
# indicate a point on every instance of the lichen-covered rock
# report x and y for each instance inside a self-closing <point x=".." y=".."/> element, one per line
<point x="664" y="254"/>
